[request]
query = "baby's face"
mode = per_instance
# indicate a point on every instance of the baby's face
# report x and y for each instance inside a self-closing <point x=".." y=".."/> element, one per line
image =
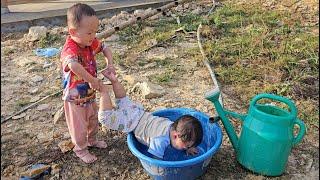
<point x="87" y="30"/>
<point x="177" y="143"/>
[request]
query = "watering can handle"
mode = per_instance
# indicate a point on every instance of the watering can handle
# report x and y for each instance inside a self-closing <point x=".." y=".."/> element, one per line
<point x="292" y="107"/>
<point x="301" y="133"/>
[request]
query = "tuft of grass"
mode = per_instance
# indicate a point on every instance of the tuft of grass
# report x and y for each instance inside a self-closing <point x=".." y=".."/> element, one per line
<point x="171" y="70"/>
<point x="7" y="51"/>
<point x="22" y="102"/>
<point x="131" y="35"/>
<point x="50" y="40"/>
<point x="162" y="78"/>
<point x="163" y="62"/>
<point x="190" y="21"/>
<point x="101" y="62"/>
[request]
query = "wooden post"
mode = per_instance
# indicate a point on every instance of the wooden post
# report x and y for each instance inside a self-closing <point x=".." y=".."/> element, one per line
<point x="4" y="6"/>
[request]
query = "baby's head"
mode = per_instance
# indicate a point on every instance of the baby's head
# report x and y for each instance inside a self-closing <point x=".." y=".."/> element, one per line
<point x="186" y="132"/>
<point x="82" y="24"/>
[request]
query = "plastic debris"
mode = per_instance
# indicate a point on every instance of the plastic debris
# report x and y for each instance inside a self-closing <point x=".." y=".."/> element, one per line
<point x="47" y="52"/>
<point x="37" y="171"/>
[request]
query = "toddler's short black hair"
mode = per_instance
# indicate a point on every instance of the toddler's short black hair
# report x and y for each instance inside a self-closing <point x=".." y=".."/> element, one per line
<point x="190" y="129"/>
<point x="75" y="13"/>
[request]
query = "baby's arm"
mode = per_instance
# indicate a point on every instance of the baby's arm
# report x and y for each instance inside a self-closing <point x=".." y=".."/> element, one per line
<point x="79" y="70"/>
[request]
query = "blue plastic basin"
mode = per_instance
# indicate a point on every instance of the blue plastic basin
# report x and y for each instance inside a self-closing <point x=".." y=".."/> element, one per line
<point x="176" y="164"/>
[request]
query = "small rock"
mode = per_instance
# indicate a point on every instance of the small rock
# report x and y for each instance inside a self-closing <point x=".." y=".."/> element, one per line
<point x="42" y="107"/>
<point x="47" y="64"/>
<point x="36" y="33"/>
<point x="105" y="21"/>
<point x="19" y="116"/>
<point x="150" y="90"/>
<point x="179" y="8"/>
<point x="27" y="118"/>
<point x="149" y="10"/>
<point x="36" y="78"/>
<point x="123" y="14"/>
<point x="33" y="90"/>
<point x="112" y="151"/>
<point x="66" y="136"/>
<point x="150" y="65"/>
<point x="66" y="146"/>
<point x="138" y="12"/>
<point x="130" y="79"/>
<point x="59" y="115"/>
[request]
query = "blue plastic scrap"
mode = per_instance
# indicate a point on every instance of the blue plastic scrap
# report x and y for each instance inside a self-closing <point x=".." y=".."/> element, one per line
<point x="47" y="52"/>
<point x="39" y="176"/>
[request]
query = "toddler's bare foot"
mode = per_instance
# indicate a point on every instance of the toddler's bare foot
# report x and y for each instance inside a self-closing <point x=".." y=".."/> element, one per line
<point x="98" y="144"/>
<point x="88" y="158"/>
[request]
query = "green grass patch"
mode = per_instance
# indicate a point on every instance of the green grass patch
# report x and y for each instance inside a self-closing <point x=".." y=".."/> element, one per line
<point x="50" y="40"/>
<point x="22" y="102"/>
<point x="131" y="35"/>
<point x="190" y="21"/>
<point x="171" y="69"/>
<point x="162" y="78"/>
<point x="7" y="51"/>
<point x="252" y="50"/>
<point x="254" y="40"/>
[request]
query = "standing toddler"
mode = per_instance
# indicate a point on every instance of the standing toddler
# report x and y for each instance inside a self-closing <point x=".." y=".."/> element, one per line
<point x="80" y="79"/>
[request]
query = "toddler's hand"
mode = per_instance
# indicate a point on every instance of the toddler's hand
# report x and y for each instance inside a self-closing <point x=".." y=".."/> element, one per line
<point x="95" y="84"/>
<point x="192" y="151"/>
<point x="109" y="74"/>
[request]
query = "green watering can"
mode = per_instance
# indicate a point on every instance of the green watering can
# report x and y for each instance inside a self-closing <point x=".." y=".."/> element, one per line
<point x="267" y="135"/>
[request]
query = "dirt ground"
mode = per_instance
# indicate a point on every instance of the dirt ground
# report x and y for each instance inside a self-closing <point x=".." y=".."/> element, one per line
<point x="32" y="137"/>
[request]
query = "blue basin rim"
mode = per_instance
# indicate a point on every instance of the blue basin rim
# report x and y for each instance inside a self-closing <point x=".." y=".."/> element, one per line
<point x="183" y="163"/>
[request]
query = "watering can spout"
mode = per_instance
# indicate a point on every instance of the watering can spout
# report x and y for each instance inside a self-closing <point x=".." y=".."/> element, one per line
<point x="213" y="96"/>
